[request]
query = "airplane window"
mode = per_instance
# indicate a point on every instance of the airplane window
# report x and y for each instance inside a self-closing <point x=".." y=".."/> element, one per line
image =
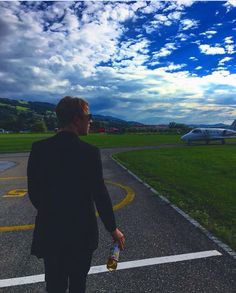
<point x="196" y="131"/>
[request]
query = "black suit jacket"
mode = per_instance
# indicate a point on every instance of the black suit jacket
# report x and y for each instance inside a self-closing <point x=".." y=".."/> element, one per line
<point x="65" y="179"/>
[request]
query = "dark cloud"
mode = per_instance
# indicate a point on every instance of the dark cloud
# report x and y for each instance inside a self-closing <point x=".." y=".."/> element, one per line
<point x="102" y="103"/>
<point x="131" y="100"/>
<point x="226" y="99"/>
<point x="4" y="29"/>
<point x="134" y="86"/>
<point x="221" y="94"/>
<point x="159" y="110"/>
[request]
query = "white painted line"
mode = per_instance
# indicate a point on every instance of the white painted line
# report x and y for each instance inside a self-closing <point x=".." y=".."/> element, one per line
<point x="157" y="260"/>
<point x="121" y="266"/>
<point x="21" y="281"/>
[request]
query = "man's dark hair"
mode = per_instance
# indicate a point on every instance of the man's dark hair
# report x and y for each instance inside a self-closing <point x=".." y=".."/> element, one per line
<point x="68" y="108"/>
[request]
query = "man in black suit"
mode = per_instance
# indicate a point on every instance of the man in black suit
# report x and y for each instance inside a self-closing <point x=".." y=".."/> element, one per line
<point x="65" y="179"/>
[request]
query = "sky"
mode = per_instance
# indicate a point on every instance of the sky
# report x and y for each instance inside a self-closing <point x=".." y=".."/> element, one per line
<point x="147" y="61"/>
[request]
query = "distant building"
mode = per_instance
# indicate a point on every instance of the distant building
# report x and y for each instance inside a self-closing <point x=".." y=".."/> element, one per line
<point x="113" y="130"/>
<point x="154" y="126"/>
<point x="162" y="126"/>
<point x="101" y="130"/>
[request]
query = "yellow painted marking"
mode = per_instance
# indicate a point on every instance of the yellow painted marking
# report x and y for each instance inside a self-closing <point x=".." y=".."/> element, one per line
<point x="16" y="193"/>
<point x="128" y="198"/>
<point x="12" y="178"/>
<point x="16" y="228"/>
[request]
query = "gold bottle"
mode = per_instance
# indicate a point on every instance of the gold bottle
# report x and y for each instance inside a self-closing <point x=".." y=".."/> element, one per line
<point x="113" y="257"/>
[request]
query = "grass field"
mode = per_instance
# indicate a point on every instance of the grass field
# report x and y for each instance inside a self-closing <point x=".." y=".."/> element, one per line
<point x="22" y="142"/>
<point x="199" y="180"/>
<point x="10" y="143"/>
<point x="15" y="143"/>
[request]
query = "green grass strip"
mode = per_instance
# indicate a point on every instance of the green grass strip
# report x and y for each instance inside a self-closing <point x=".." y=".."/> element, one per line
<point x="12" y="143"/>
<point x="22" y="142"/>
<point x="199" y="180"/>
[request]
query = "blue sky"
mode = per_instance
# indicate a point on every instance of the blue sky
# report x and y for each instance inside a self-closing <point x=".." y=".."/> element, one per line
<point x="147" y="61"/>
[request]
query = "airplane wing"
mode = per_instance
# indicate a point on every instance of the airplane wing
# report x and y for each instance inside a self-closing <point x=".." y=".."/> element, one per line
<point x="223" y="137"/>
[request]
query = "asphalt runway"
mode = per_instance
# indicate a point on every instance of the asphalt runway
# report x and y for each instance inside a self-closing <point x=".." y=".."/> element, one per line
<point x="164" y="252"/>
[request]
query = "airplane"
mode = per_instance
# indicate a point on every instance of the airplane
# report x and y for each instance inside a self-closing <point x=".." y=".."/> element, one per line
<point x="207" y="134"/>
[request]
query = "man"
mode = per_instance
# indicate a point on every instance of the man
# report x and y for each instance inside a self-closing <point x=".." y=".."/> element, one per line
<point x="65" y="179"/>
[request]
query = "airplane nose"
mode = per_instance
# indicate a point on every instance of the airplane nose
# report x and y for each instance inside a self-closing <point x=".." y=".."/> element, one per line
<point x="183" y="137"/>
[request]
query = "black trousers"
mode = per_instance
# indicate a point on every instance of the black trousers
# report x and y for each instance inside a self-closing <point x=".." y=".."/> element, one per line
<point x="61" y="270"/>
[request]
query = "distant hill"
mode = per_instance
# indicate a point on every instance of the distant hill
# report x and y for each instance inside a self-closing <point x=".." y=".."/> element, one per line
<point x="218" y="125"/>
<point x="18" y="115"/>
<point x="39" y="107"/>
<point x="110" y="121"/>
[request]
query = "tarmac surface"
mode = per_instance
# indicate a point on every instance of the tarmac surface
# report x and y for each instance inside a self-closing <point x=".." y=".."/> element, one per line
<point x="152" y="229"/>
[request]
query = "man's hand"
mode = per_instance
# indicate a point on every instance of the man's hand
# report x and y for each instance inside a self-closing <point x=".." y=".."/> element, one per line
<point x="118" y="236"/>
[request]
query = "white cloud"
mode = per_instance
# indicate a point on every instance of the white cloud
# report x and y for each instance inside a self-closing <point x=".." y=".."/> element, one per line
<point x="131" y="52"/>
<point x="178" y="5"/>
<point x="161" y="18"/>
<point x="139" y="4"/>
<point x="209" y="34"/>
<point x="54" y="86"/>
<point x="165" y="51"/>
<point x="155" y="25"/>
<point x="66" y="50"/>
<point x="198" y="42"/>
<point x="183" y="37"/>
<point x="153" y="6"/>
<point x="57" y="10"/>
<point x="230" y="4"/>
<point x="186" y="3"/>
<point x="206" y="49"/>
<point x="228" y="40"/>
<point x="173" y="67"/>
<point x="226" y="59"/>
<point x="193" y="58"/>
<point x="187" y="24"/>
<point x="176" y="15"/>
<point x="229" y="47"/>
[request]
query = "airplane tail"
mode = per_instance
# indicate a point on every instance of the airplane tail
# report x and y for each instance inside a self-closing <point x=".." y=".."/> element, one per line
<point x="233" y="125"/>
